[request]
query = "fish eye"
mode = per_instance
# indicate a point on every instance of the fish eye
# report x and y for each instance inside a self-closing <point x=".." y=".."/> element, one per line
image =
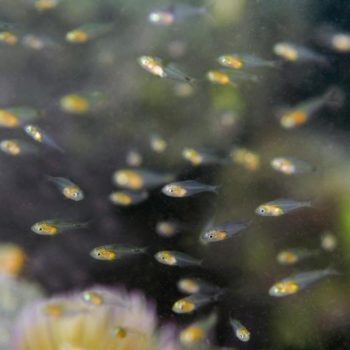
<point x="262" y="210"/>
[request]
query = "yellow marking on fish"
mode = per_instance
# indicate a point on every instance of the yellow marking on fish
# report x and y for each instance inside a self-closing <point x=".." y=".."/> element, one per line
<point x="8" y="38"/>
<point x="183" y="306"/>
<point x="130" y="179"/>
<point x="287" y="257"/>
<point x="218" y="235"/>
<point x="285" y="288"/>
<point x="273" y="210"/>
<point x="287" y="52"/>
<point x="11" y="147"/>
<point x="189" y="285"/>
<point x="74" y="104"/>
<point x="192" y="334"/>
<point x="243" y="334"/>
<point x="44" y="5"/>
<point x="93" y="298"/>
<point x="105" y="253"/>
<point x="12" y="259"/>
<point x="166" y="229"/>
<point x="71" y="192"/>
<point x="176" y="190"/>
<point x="152" y="65"/>
<point x="192" y="155"/>
<point x="341" y="42"/>
<point x="293" y="119"/>
<point x="77" y="36"/>
<point x="218" y="77"/>
<point x="242" y="156"/>
<point x="8" y="119"/>
<point x="48" y="229"/>
<point x="232" y="62"/>
<point x="167" y="258"/>
<point x="121" y="198"/>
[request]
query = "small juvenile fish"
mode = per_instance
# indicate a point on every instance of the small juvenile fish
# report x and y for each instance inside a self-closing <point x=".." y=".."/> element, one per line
<point x="241" y="61"/>
<point x="334" y="40"/>
<point x="196" y="157"/>
<point x="13" y="117"/>
<point x="45" y="5"/>
<point x="157" y="143"/>
<point x="8" y="38"/>
<point x="302" y="113"/>
<point x="174" y="13"/>
<point x="93" y="298"/>
<point x="295" y="283"/>
<point x="38" y="135"/>
<point x="297" y="53"/>
<point x="280" y="207"/>
<point x="223" y="232"/>
<point x="16" y="147"/>
<point x="187" y="188"/>
<point x="248" y="159"/>
<point x="168" y="228"/>
<point x="88" y="32"/>
<point x="113" y="252"/>
<point x="82" y="103"/>
<point x="291" y="165"/>
<point x="196" y="286"/>
<point x="221" y="77"/>
<point x="197" y="332"/>
<point x="241" y="332"/>
<point x="155" y="66"/>
<point x="138" y="179"/>
<point x="68" y="188"/>
<point x="194" y="302"/>
<point x="53" y="227"/>
<point x="127" y="198"/>
<point x="173" y="258"/>
<point x="294" y="256"/>
<point x="134" y="158"/>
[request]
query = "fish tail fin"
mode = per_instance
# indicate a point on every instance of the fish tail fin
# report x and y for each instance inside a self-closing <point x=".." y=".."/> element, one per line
<point x="84" y="224"/>
<point x="215" y="189"/>
<point x="334" y="97"/>
<point x="331" y="271"/>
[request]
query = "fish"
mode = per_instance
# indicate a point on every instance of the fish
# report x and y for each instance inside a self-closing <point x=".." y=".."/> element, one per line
<point x="157" y="143"/>
<point x="93" y="298"/>
<point x="191" y="285"/>
<point x="15" y="147"/>
<point x="169" y="228"/>
<point x="222" y="232"/>
<point x="16" y="116"/>
<point x="197" y="332"/>
<point x="229" y="77"/>
<point x="193" y="302"/>
<point x="88" y="32"/>
<point x="295" y="283"/>
<point x="138" y="179"/>
<point x="296" y="53"/>
<point x="8" y="38"/>
<point x="128" y="198"/>
<point x="155" y="66"/>
<point x="174" y="258"/>
<point x="174" y="14"/>
<point x="280" y="207"/>
<point x="333" y="39"/>
<point x="53" y="227"/>
<point x="196" y="157"/>
<point x="241" y="332"/>
<point x="46" y="5"/>
<point x="291" y="165"/>
<point x="302" y="113"/>
<point x="134" y="158"/>
<point x="113" y="252"/>
<point x="242" y="61"/>
<point x="120" y="332"/>
<point x="38" y="135"/>
<point x="187" y="188"/>
<point x="295" y="255"/>
<point x="68" y="188"/>
<point x="82" y="102"/>
<point x="246" y="158"/>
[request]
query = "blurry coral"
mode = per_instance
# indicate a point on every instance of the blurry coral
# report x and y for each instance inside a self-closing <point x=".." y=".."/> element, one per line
<point x="96" y="319"/>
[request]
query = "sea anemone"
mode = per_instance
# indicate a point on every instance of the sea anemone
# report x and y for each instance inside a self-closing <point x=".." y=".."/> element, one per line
<point x="98" y="318"/>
